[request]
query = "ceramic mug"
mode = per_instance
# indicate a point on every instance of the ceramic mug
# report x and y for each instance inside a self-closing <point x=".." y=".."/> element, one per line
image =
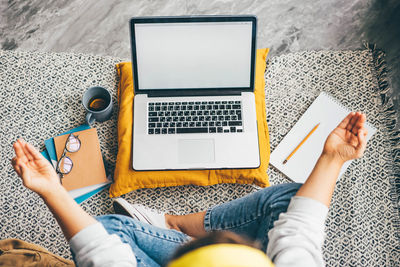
<point x="98" y="104"/>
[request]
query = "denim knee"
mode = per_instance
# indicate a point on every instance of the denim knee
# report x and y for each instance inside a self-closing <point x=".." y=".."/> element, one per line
<point x="279" y="198"/>
<point x="115" y="224"/>
<point x="285" y="191"/>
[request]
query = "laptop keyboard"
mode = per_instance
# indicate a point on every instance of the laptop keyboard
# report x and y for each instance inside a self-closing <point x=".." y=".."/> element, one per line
<point x="195" y="117"/>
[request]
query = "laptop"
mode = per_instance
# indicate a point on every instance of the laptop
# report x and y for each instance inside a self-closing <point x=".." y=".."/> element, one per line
<point x="194" y="105"/>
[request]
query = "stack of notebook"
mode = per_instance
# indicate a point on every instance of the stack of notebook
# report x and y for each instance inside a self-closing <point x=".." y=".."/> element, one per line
<point x="87" y="176"/>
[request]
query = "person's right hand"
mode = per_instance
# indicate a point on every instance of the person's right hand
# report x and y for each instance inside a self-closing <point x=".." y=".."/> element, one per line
<point x="349" y="139"/>
<point x="36" y="172"/>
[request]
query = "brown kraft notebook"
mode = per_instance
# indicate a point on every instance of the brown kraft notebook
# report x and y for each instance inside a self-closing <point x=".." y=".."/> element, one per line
<point x="88" y="167"/>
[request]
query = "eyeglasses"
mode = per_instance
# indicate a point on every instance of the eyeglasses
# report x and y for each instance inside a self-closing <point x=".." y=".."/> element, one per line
<point x="65" y="164"/>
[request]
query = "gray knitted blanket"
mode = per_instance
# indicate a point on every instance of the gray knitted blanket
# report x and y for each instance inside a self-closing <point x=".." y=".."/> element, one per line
<point x="40" y="97"/>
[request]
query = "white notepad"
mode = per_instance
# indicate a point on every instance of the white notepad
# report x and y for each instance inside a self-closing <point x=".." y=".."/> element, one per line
<point x="325" y="110"/>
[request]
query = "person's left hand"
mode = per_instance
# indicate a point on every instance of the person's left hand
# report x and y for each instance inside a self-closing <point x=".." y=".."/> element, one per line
<point x="349" y="139"/>
<point x="36" y="172"/>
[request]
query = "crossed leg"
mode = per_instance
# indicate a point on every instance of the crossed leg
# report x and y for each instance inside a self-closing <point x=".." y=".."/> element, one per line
<point x="252" y="216"/>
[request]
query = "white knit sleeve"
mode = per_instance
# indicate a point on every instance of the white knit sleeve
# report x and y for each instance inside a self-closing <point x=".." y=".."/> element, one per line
<point x="298" y="235"/>
<point x="94" y="247"/>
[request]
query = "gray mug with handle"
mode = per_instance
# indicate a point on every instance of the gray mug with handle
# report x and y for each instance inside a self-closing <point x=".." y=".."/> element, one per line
<point x="98" y="104"/>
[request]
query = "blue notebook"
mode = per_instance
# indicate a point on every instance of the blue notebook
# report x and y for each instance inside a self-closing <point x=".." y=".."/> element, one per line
<point x="81" y="194"/>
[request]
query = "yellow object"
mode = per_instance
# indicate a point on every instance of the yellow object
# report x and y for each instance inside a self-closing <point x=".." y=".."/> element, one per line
<point x="301" y="143"/>
<point x="223" y="255"/>
<point x="126" y="179"/>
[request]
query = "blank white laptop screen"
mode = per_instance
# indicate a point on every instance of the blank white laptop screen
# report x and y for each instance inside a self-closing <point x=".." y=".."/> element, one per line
<point x="193" y="55"/>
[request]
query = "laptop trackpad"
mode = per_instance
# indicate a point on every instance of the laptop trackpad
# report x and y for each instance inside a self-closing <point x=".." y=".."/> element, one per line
<point x="196" y="150"/>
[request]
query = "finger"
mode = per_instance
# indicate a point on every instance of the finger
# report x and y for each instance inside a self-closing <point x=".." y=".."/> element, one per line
<point x="26" y="151"/>
<point x="364" y="132"/>
<point x="359" y="123"/>
<point x="33" y="152"/>
<point x="24" y="173"/>
<point x="24" y="170"/>
<point x="362" y="142"/>
<point x="20" y="167"/>
<point x="352" y="122"/>
<point x="19" y="151"/>
<point x="16" y="167"/>
<point x="345" y="121"/>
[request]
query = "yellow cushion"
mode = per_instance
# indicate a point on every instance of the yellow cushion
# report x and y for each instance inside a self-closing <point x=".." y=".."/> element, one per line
<point x="126" y="179"/>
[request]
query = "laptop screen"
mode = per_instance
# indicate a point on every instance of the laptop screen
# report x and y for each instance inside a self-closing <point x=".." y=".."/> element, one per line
<point x="193" y="55"/>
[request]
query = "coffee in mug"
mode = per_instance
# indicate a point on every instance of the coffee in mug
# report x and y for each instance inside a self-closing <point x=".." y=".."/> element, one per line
<point x="98" y="103"/>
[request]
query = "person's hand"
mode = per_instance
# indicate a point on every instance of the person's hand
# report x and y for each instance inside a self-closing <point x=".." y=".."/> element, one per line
<point x="348" y="140"/>
<point x="36" y="172"/>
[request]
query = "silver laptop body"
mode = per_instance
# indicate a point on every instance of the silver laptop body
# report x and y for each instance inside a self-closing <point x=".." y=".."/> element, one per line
<point x="194" y="104"/>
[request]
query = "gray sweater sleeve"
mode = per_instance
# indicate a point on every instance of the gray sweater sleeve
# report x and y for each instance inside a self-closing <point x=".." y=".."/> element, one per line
<point x="298" y="235"/>
<point x="93" y="246"/>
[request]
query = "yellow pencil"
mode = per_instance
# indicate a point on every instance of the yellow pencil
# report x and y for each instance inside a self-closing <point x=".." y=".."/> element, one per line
<point x="301" y="143"/>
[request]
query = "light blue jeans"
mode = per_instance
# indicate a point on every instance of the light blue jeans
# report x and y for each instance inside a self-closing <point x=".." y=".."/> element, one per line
<point x="252" y="216"/>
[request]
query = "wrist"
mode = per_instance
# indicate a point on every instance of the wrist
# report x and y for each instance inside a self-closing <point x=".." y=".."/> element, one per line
<point x="54" y="191"/>
<point x="333" y="159"/>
